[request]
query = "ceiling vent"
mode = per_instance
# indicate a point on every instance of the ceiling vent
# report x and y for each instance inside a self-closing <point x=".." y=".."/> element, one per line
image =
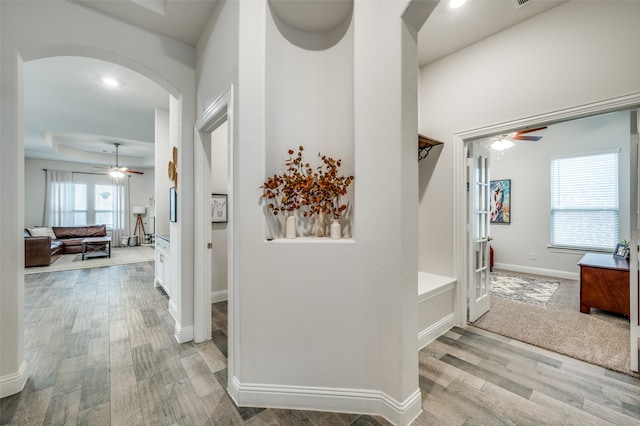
<point x="519" y="3"/>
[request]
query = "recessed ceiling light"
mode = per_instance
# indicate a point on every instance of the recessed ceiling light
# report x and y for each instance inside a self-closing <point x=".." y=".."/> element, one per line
<point x="110" y="81"/>
<point x="456" y="3"/>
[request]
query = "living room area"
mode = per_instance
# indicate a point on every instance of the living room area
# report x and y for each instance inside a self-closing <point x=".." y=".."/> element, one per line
<point x="92" y="130"/>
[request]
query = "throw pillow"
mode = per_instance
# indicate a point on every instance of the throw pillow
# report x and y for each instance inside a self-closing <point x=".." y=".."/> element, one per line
<point x="42" y="231"/>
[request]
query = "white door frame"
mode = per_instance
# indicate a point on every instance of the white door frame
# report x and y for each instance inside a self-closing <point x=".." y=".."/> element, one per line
<point x="460" y="256"/>
<point x="217" y="112"/>
<point x="634" y="204"/>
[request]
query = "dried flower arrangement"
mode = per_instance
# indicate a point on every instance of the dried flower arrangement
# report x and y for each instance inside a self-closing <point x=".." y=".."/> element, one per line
<point x="287" y="192"/>
<point x="329" y="185"/>
<point x="301" y="186"/>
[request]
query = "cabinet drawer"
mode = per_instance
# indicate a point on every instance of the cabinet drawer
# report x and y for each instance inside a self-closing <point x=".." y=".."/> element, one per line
<point x="163" y="245"/>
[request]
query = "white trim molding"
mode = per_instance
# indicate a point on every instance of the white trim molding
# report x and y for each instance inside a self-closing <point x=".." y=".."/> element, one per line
<point x="361" y="401"/>
<point x="13" y="383"/>
<point x="219" y="111"/>
<point x="219" y="296"/>
<point x="436" y="330"/>
<point x="538" y="271"/>
<point x="183" y="334"/>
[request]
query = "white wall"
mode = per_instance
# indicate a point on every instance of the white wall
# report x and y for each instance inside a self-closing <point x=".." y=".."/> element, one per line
<point x="575" y="54"/>
<point x="140" y="187"/>
<point x="32" y="30"/>
<point x="163" y="154"/>
<point x="333" y="318"/>
<point x="217" y="54"/>
<point x="527" y="165"/>
<point x="219" y="172"/>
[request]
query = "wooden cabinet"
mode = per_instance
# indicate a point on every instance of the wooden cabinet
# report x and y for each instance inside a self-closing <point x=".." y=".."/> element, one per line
<point x="604" y="283"/>
<point x="163" y="264"/>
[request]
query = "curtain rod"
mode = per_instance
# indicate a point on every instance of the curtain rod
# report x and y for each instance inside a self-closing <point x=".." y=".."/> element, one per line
<point x="86" y="173"/>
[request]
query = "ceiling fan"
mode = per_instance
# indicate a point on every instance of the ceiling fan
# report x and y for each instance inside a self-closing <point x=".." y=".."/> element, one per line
<point x="119" y="171"/>
<point x="506" y="141"/>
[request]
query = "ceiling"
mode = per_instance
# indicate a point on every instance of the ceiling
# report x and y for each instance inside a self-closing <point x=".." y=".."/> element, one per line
<point x="70" y="115"/>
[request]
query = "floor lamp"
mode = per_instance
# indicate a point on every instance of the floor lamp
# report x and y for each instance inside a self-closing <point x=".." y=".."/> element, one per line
<point x="139" y="230"/>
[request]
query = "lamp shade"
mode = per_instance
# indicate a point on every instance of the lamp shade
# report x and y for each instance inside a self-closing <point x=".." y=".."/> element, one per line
<point x="139" y="210"/>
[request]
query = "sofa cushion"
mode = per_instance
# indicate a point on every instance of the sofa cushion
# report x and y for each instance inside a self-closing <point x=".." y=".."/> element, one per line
<point x="56" y="247"/>
<point x="42" y="231"/>
<point x="72" y="241"/>
<point x="81" y="232"/>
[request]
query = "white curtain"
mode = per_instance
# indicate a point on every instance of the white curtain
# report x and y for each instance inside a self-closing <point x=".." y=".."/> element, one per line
<point x="59" y="199"/>
<point x="120" y="210"/>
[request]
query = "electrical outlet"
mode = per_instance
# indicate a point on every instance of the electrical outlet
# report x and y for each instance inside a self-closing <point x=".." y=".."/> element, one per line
<point x="532" y="256"/>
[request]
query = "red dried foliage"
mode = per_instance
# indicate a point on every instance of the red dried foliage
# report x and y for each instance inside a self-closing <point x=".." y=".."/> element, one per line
<point x="301" y="186"/>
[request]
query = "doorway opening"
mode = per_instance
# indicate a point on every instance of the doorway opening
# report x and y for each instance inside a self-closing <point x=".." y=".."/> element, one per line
<point x="462" y="206"/>
<point x="215" y="275"/>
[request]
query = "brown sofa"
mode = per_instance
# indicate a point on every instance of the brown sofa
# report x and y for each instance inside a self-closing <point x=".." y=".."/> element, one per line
<point x="40" y="251"/>
<point x="46" y="244"/>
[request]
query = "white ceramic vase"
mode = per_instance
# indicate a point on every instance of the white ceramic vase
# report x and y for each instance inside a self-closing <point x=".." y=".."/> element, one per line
<point x="336" y="229"/>
<point x="290" y="226"/>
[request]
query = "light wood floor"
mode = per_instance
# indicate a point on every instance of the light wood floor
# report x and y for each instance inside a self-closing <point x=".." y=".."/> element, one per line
<point x="100" y="349"/>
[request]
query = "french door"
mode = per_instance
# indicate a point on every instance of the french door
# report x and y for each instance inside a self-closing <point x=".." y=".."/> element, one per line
<point x="478" y="231"/>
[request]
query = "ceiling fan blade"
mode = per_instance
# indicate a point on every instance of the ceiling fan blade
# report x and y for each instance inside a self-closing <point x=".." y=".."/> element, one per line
<point x="526" y="138"/>
<point x="522" y="132"/>
<point x="132" y="171"/>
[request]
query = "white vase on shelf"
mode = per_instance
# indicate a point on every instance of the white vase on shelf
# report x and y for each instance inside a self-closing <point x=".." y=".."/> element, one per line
<point x="290" y="226"/>
<point x="320" y="224"/>
<point x="336" y="229"/>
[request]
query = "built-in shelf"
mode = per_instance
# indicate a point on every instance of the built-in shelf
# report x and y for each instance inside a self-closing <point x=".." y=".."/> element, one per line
<point x="424" y="146"/>
<point x="313" y="240"/>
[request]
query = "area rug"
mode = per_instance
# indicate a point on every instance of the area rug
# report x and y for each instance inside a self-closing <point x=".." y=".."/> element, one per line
<point x="528" y="289"/>
<point x="600" y="338"/>
<point x="119" y="256"/>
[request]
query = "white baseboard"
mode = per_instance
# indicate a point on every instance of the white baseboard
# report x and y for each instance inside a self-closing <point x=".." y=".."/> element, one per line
<point x="13" y="383"/>
<point x="538" y="271"/>
<point x="360" y="401"/>
<point x="173" y="310"/>
<point x="431" y="333"/>
<point x="219" y="296"/>
<point x="183" y="334"/>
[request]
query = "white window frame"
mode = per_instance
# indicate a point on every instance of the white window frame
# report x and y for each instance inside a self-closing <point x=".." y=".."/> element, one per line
<point x="586" y="247"/>
<point x="91" y="181"/>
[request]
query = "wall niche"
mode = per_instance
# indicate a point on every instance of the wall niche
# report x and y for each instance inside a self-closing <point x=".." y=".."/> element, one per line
<point x="309" y="94"/>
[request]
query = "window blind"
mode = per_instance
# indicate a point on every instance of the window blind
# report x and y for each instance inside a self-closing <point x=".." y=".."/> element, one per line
<point x="584" y="202"/>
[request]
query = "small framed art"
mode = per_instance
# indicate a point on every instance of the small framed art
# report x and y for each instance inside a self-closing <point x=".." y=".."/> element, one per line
<point x="500" y="201"/>
<point x="219" y="208"/>
<point x="622" y="251"/>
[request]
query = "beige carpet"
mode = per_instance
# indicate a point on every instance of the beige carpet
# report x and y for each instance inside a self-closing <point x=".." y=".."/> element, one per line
<point x="599" y="338"/>
<point x="119" y="256"/>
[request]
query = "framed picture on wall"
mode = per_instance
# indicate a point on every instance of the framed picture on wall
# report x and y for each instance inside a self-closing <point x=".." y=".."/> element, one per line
<point x="219" y="208"/>
<point x="173" y="204"/>
<point x="500" y="201"/>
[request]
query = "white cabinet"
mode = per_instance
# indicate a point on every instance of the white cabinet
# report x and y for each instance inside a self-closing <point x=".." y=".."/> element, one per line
<point x="163" y="264"/>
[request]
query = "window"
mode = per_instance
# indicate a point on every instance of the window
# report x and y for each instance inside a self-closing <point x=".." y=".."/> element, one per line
<point x="584" y="202"/>
<point x="93" y="200"/>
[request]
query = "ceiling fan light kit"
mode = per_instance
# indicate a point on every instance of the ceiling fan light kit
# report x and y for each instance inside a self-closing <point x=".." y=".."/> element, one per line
<point x="501" y="144"/>
<point x="506" y="141"/>
<point x="117" y="171"/>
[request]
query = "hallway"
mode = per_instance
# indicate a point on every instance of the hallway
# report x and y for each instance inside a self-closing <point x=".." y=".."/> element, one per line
<point x="100" y="348"/>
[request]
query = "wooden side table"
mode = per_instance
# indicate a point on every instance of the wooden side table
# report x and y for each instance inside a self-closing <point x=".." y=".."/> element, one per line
<point x="604" y="283"/>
